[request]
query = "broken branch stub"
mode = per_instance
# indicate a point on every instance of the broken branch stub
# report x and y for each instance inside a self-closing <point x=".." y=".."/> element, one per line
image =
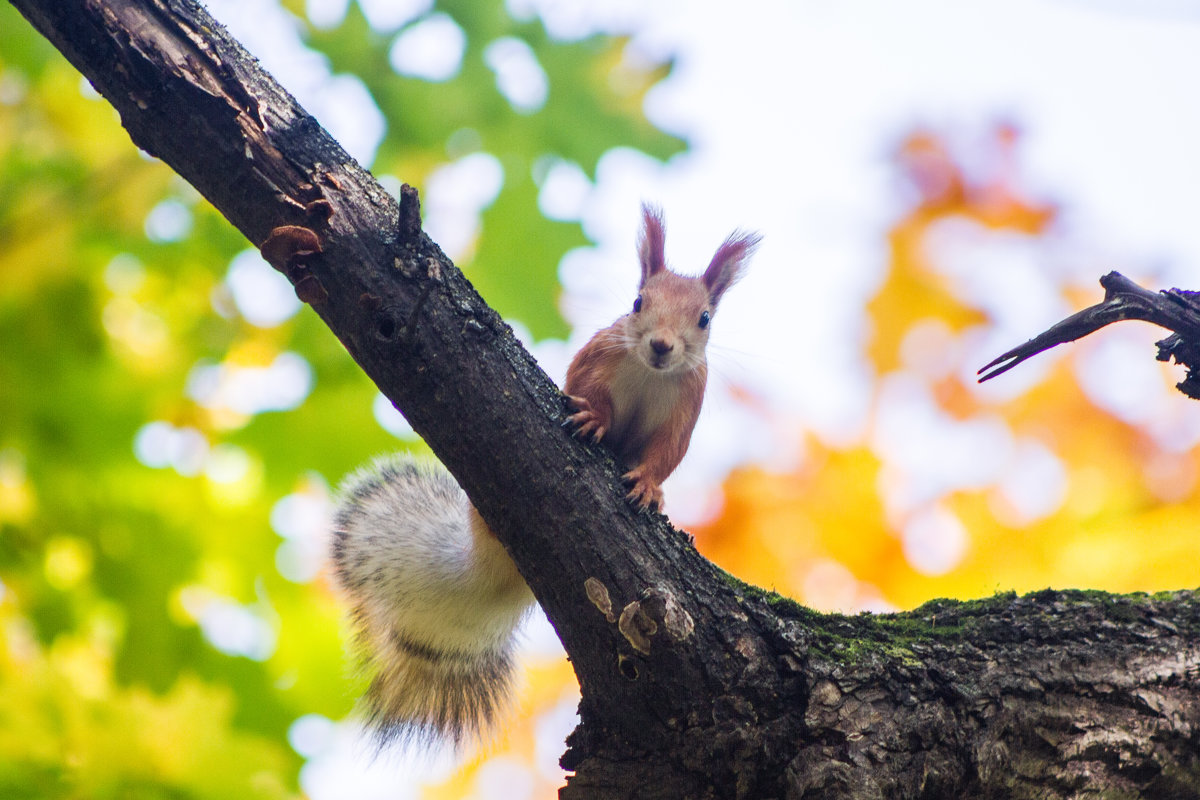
<point x="1176" y="310"/>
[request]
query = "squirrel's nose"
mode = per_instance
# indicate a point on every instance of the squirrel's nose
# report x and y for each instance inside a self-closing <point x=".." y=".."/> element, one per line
<point x="661" y="346"/>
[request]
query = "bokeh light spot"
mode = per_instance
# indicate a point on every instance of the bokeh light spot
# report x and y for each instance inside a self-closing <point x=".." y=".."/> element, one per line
<point x="431" y="49"/>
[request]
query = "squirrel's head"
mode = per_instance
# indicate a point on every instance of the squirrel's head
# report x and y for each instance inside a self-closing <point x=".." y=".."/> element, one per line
<point x="668" y="326"/>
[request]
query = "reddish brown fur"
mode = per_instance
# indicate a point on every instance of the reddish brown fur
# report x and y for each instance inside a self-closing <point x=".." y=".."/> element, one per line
<point x="639" y="384"/>
<point x="668" y="444"/>
<point x="734" y="250"/>
<point x="651" y="242"/>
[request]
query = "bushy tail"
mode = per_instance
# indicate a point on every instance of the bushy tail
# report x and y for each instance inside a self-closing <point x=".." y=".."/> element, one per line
<point x="436" y="600"/>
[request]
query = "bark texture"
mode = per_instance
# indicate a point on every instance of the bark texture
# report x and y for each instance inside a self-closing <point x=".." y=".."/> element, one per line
<point x="694" y="685"/>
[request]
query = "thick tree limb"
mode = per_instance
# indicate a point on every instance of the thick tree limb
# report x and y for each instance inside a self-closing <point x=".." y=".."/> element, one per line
<point x="694" y="685"/>
<point x="1174" y="309"/>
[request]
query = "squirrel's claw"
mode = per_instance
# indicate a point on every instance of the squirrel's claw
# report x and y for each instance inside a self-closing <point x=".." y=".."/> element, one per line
<point x="591" y="429"/>
<point x="585" y="420"/>
<point x="644" y="493"/>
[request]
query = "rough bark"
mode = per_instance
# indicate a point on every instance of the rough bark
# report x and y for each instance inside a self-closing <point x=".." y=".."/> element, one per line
<point x="694" y="685"/>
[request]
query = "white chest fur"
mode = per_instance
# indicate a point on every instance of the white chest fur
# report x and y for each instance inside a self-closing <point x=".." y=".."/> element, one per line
<point x="643" y="399"/>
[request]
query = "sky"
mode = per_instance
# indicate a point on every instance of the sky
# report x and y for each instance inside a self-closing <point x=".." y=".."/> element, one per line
<point x="793" y="110"/>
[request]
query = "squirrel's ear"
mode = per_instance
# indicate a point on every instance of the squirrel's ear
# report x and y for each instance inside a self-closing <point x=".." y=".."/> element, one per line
<point x="729" y="263"/>
<point x="651" y="242"/>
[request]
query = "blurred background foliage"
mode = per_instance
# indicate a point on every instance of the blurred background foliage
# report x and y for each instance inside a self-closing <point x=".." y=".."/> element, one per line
<point x="163" y="612"/>
<point x="1050" y="484"/>
<point x="171" y="423"/>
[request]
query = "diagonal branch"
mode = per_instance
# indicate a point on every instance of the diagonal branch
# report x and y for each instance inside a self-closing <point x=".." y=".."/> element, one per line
<point x="694" y="685"/>
<point x="1174" y="309"/>
<point x="191" y="95"/>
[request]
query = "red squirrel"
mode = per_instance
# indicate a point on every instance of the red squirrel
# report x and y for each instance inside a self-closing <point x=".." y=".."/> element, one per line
<point x="436" y="598"/>
<point x="638" y="384"/>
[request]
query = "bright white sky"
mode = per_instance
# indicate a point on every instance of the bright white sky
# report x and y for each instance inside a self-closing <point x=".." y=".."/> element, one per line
<point x="792" y="108"/>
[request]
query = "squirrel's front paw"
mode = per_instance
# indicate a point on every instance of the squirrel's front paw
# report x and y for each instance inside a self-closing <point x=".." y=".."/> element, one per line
<point x="586" y="421"/>
<point x="643" y="492"/>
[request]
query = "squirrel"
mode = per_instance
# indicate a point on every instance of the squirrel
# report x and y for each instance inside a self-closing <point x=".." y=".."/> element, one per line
<point x="435" y="597"/>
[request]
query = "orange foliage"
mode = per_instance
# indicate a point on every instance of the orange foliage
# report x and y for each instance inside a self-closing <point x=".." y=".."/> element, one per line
<point x="1078" y="497"/>
<point x="913" y="289"/>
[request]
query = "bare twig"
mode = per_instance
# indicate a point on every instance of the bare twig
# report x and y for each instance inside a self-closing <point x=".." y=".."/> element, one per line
<point x="1174" y="309"/>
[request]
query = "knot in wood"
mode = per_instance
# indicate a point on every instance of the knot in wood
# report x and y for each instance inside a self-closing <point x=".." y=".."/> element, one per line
<point x="288" y="244"/>
<point x="660" y="603"/>
<point x="637" y="627"/>
<point x="597" y="592"/>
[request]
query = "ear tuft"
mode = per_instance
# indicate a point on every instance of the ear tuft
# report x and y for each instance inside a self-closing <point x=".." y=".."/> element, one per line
<point x="651" y="242"/>
<point x="729" y="263"/>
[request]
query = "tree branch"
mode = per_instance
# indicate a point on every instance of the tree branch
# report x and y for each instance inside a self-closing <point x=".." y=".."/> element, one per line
<point x="188" y="93"/>
<point x="1174" y="309"/>
<point x="694" y="685"/>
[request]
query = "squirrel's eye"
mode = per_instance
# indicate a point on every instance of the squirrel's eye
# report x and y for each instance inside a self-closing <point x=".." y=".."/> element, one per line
<point x="704" y="318"/>
<point x="637" y="304"/>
